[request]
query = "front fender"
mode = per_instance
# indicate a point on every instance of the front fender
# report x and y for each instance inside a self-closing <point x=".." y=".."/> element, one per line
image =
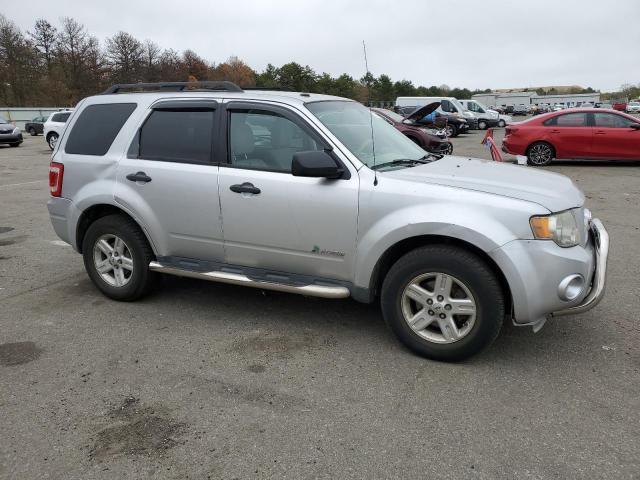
<point x="477" y="225"/>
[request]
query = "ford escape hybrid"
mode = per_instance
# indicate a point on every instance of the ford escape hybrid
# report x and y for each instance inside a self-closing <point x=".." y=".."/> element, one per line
<point x="311" y="194"/>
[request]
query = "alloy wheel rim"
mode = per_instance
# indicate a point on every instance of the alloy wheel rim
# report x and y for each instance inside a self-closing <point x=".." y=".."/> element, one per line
<point x="438" y="307"/>
<point x="113" y="260"/>
<point x="53" y="139"/>
<point x="540" y="154"/>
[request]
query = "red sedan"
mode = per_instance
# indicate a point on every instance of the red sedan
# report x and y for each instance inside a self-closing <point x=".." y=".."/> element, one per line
<point x="581" y="133"/>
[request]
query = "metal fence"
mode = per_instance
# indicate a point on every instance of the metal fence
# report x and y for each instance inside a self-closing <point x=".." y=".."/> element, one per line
<point x="19" y="116"/>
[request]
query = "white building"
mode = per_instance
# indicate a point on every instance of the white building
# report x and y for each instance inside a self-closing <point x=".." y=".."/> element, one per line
<point x="532" y="98"/>
<point x="504" y="99"/>
<point x="569" y="99"/>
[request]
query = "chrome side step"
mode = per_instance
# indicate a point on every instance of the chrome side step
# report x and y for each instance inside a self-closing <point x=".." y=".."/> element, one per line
<point x="239" y="279"/>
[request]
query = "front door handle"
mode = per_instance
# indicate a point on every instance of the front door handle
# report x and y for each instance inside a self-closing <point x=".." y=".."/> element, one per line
<point x="600" y="132"/>
<point x="139" y="177"/>
<point x="246" y="187"/>
<point x="555" y="131"/>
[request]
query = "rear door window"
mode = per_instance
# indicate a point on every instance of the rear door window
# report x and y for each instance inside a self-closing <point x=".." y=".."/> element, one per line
<point x="97" y="126"/>
<point x="568" y="120"/>
<point x="60" y="117"/>
<point x="177" y="136"/>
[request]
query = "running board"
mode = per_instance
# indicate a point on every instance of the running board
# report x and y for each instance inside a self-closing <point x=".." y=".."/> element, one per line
<point x="323" y="291"/>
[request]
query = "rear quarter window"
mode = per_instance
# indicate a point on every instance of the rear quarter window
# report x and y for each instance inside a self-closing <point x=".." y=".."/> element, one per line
<point x="97" y="126"/>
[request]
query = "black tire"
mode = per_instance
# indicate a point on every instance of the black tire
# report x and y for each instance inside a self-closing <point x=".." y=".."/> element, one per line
<point x="141" y="279"/>
<point x="502" y="123"/>
<point x="540" y="154"/>
<point x="452" y="130"/>
<point x="32" y="131"/>
<point x="482" y="125"/>
<point x="52" y="138"/>
<point x="463" y="265"/>
<point x="449" y="149"/>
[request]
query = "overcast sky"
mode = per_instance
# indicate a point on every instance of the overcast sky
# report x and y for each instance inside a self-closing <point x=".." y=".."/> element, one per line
<point x="461" y="43"/>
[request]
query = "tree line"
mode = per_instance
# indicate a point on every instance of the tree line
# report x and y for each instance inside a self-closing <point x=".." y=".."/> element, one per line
<point x="51" y="65"/>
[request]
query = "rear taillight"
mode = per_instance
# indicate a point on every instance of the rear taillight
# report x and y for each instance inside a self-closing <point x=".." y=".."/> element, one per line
<point x="509" y="131"/>
<point x="56" y="172"/>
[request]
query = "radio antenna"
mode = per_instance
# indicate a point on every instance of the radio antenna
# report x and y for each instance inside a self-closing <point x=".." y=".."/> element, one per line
<point x="373" y="142"/>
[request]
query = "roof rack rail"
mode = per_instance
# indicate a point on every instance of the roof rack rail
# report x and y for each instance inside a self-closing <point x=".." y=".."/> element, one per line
<point x="173" y="87"/>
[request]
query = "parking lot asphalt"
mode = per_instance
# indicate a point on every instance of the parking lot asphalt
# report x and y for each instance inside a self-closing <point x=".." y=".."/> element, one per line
<point x="204" y="380"/>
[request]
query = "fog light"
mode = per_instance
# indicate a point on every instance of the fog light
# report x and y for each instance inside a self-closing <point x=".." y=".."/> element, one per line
<point x="571" y="287"/>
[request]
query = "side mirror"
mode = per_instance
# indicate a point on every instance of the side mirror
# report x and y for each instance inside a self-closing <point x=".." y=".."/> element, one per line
<point x="635" y="126"/>
<point x="315" y="163"/>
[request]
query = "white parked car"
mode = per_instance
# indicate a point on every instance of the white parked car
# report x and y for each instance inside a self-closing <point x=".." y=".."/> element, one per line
<point x="633" y="107"/>
<point x="486" y="116"/>
<point x="54" y="127"/>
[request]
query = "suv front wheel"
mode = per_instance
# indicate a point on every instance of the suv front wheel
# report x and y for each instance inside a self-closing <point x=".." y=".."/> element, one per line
<point x="117" y="256"/>
<point x="443" y="302"/>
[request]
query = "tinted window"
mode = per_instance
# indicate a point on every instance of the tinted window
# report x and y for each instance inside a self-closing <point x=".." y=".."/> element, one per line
<point x="446" y="106"/>
<point x="177" y="136"/>
<point x="264" y="140"/>
<point x="97" y="126"/>
<point x="60" y="117"/>
<point x="571" y="120"/>
<point x="610" y="120"/>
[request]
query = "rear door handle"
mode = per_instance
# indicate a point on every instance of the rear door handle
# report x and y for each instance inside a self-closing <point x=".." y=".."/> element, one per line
<point x="139" y="177"/>
<point x="555" y="131"/>
<point x="246" y="187"/>
<point x="600" y="132"/>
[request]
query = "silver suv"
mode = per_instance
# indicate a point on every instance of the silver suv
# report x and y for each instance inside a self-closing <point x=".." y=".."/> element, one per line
<point x="311" y="194"/>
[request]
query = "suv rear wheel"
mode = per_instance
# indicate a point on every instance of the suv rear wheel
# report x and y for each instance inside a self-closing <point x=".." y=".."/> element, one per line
<point x="116" y="256"/>
<point x="443" y="302"/>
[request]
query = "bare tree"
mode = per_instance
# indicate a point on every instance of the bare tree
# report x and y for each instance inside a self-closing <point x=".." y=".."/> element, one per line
<point x="125" y="57"/>
<point x="16" y="63"/>
<point x="44" y="37"/>
<point x="194" y="65"/>
<point x="169" y="66"/>
<point x="73" y="48"/>
<point x="151" y="59"/>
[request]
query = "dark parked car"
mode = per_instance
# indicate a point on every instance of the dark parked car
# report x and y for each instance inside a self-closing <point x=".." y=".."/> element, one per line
<point x="521" y="109"/>
<point x="9" y="133"/>
<point x="452" y="124"/>
<point x="35" y="126"/>
<point x="430" y="143"/>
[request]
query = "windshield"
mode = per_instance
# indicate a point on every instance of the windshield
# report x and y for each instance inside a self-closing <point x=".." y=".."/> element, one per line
<point x="351" y="123"/>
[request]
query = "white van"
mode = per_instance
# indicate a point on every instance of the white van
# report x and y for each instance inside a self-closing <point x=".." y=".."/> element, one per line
<point x="486" y="117"/>
<point x="449" y="105"/>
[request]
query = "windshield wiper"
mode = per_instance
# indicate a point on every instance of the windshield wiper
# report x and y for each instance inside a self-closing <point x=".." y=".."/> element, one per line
<point x="410" y="162"/>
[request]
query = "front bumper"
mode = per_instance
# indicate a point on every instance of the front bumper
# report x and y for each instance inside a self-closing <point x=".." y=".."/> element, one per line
<point x="11" y="138"/>
<point x="601" y="247"/>
<point x="536" y="269"/>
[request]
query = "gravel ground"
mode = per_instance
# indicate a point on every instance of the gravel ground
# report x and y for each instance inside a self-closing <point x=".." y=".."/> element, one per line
<point x="203" y="380"/>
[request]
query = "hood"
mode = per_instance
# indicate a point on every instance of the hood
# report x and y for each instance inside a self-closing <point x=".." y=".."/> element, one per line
<point x="422" y="112"/>
<point x="553" y="191"/>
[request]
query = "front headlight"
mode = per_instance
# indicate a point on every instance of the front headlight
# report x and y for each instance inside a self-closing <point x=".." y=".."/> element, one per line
<point x="16" y="131"/>
<point x="559" y="227"/>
